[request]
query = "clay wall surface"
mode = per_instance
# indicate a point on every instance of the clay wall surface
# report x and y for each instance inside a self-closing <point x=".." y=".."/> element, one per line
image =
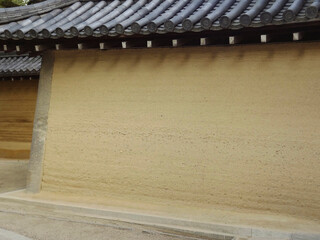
<point x="17" y="106"/>
<point x="202" y="127"/>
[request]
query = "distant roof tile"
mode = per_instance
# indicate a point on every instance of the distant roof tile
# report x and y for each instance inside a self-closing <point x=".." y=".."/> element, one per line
<point x="73" y="18"/>
<point x="19" y="66"/>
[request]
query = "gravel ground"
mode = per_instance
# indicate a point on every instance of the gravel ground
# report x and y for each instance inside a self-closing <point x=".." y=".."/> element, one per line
<point x="46" y="228"/>
<point x="39" y="223"/>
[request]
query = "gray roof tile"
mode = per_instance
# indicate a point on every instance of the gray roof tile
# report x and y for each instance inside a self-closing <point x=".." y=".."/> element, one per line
<point x="19" y="66"/>
<point x="72" y="18"/>
<point x="17" y="13"/>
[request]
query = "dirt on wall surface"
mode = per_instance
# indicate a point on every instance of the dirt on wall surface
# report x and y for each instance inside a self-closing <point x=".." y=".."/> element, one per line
<point x="197" y="128"/>
<point x="17" y="107"/>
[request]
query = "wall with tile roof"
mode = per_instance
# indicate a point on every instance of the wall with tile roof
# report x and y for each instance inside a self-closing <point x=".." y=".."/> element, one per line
<point x="181" y="130"/>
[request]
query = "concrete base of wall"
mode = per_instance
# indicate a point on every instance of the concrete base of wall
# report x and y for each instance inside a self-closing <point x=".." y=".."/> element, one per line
<point x="164" y="224"/>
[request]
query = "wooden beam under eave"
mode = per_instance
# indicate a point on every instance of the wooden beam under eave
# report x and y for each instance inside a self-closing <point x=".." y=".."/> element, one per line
<point x="110" y="45"/>
<point x="8" y="48"/>
<point x="234" y="39"/>
<point x="82" y="46"/>
<point x="205" y="41"/>
<point x="151" y="44"/>
<point x="265" y="38"/>
<point x="59" y="47"/>
<point x="21" y="49"/>
<point x="126" y="44"/>
<point x="297" y="36"/>
<point x="103" y="46"/>
<point x="158" y="42"/>
<point x="178" y="42"/>
<point x="40" y="48"/>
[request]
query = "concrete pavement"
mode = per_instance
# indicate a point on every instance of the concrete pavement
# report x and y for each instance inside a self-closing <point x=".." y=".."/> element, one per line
<point x="39" y="223"/>
<point x="8" y="235"/>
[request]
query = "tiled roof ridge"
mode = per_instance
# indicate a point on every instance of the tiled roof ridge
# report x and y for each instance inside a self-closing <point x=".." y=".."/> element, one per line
<point x="21" y="12"/>
<point x="80" y="18"/>
<point x="19" y="65"/>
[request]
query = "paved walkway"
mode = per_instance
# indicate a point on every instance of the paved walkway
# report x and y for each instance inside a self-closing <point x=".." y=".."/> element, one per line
<point x="7" y="235"/>
<point x="38" y="223"/>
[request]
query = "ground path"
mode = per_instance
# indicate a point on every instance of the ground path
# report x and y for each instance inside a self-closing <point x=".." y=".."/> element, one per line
<point x="37" y="224"/>
<point x="24" y="222"/>
<point x="7" y="235"/>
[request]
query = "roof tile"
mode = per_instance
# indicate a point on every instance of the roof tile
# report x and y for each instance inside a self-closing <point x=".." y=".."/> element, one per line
<point x="72" y="18"/>
<point x="19" y="66"/>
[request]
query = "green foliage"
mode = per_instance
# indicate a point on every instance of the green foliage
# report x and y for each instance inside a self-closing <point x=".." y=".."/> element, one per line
<point x="15" y="3"/>
<point x="34" y="1"/>
<point x="11" y="3"/>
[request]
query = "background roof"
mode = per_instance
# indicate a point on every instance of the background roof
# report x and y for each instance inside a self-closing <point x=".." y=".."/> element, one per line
<point x="70" y="18"/>
<point x="20" y="66"/>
